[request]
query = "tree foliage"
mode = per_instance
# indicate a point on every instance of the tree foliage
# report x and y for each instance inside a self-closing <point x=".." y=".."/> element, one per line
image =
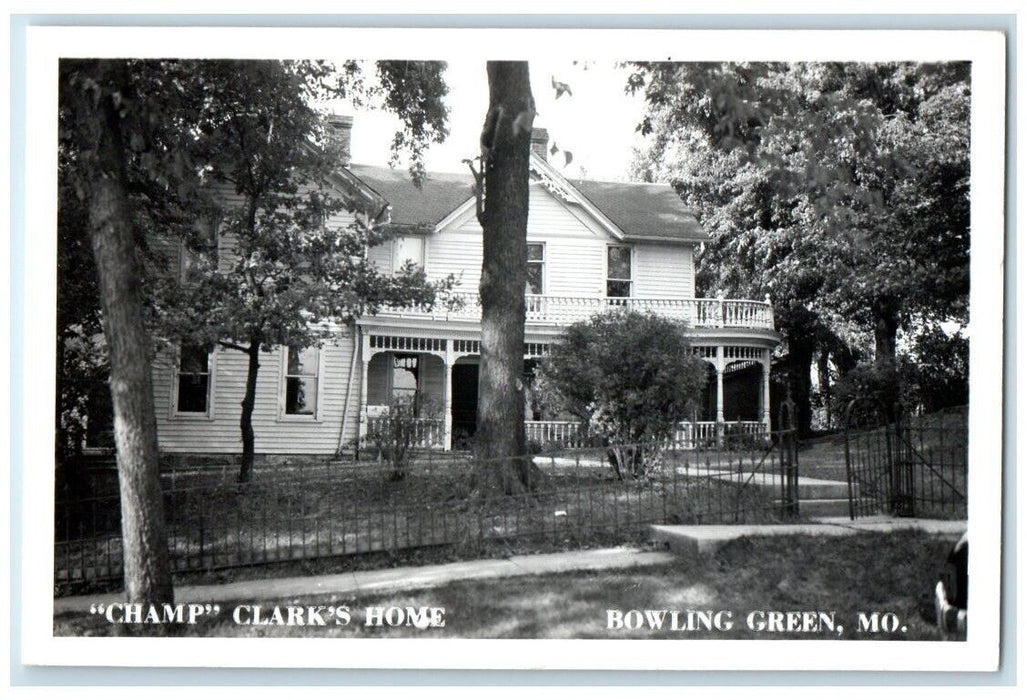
<point x="288" y="263"/>
<point x="841" y="190"/>
<point x="631" y="377"/>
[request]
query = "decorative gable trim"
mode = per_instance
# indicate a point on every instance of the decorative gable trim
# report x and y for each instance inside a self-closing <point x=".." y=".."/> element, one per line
<point x="555" y="184"/>
<point x="361" y="197"/>
<point x="558" y="185"/>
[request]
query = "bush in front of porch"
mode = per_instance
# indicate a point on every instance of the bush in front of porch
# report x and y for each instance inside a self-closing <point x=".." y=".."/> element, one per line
<point x="630" y="377"/>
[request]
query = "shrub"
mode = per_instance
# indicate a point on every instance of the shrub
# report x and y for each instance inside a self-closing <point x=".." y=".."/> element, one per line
<point x="397" y="431"/>
<point x="875" y="390"/>
<point x="935" y="372"/>
<point x="630" y="377"/>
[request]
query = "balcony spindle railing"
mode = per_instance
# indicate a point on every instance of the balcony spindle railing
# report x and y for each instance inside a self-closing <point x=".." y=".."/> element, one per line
<point x="564" y="310"/>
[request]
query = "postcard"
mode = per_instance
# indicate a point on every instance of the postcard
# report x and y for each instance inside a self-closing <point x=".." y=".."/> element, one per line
<point x="512" y="349"/>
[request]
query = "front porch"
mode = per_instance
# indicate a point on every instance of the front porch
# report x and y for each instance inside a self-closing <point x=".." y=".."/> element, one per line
<point x="443" y="374"/>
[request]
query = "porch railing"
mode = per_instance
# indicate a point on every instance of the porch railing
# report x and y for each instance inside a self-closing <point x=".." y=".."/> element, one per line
<point x="687" y="436"/>
<point x="428" y="432"/>
<point x="564" y="310"/>
<point x="548" y="432"/>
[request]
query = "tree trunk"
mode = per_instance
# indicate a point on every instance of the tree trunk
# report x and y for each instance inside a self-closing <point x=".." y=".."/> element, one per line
<point x="506" y="144"/>
<point x="886" y="330"/>
<point x="246" y="417"/>
<point x="144" y="542"/>
<point x="800" y="359"/>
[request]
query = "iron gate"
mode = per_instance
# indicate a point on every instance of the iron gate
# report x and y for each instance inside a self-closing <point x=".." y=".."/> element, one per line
<point x="788" y="452"/>
<point x="905" y="465"/>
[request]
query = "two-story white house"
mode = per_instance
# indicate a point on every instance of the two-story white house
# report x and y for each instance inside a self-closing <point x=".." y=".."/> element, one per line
<point x="591" y="246"/>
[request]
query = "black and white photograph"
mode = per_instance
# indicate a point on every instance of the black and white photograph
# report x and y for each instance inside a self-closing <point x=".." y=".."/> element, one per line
<point x="386" y="336"/>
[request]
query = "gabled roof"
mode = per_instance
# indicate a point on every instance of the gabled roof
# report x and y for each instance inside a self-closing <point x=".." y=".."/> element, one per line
<point x="439" y="194"/>
<point x="637" y="211"/>
<point x="643" y="211"/>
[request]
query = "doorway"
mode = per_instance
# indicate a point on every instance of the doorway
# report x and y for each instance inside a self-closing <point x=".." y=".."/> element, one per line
<point x="464" y="404"/>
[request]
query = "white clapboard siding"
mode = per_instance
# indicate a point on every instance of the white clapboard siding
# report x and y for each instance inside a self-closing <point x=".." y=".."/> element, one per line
<point x="381" y="256"/>
<point x="274" y="434"/>
<point x="456" y="252"/>
<point x="575" y="247"/>
<point x="663" y="271"/>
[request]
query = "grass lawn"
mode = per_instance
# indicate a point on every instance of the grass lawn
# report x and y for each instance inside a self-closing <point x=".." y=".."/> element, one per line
<point x="845" y="575"/>
<point x="304" y="512"/>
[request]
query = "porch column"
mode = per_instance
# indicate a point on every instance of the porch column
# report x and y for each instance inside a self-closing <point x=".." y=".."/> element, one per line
<point x="365" y="362"/>
<point x="765" y="393"/>
<point x="720" y="394"/>
<point x="447" y="397"/>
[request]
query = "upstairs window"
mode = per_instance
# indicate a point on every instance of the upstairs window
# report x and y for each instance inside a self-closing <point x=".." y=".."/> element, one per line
<point x="408" y="249"/>
<point x="301" y="381"/>
<point x="536" y="268"/>
<point x="618" y="271"/>
<point x="193" y="380"/>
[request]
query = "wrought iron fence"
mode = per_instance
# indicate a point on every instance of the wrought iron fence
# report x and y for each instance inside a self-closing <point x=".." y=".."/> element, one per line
<point x="304" y="510"/>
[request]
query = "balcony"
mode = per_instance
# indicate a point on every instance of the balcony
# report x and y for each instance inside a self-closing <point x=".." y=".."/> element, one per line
<point x="565" y="310"/>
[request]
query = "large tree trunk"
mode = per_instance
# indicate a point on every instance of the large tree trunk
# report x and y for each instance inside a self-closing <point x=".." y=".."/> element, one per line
<point x="506" y="144"/>
<point x="144" y="542"/>
<point x="246" y="417"/>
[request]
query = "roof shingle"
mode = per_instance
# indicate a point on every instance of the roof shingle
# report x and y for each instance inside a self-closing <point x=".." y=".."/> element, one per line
<point x="640" y="210"/>
<point x="643" y="210"/>
<point x="439" y="194"/>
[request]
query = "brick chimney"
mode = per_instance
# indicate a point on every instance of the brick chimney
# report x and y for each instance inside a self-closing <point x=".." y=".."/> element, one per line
<point x="540" y="142"/>
<point x="340" y="129"/>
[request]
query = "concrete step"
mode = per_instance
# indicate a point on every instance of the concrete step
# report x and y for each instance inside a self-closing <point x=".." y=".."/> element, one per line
<point x="690" y="541"/>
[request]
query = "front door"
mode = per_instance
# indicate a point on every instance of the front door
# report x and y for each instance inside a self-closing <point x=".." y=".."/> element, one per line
<point x="465" y="404"/>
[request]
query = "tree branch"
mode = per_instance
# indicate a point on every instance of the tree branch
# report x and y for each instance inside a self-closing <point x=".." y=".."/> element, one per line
<point x="479" y="191"/>
<point x="232" y="346"/>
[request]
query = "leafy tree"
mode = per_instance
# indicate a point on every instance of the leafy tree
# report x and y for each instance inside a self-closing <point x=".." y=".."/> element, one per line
<point x="80" y="365"/>
<point x="839" y="189"/>
<point x="108" y="118"/>
<point x="630" y="377"/>
<point x="134" y="147"/>
<point x="293" y="267"/>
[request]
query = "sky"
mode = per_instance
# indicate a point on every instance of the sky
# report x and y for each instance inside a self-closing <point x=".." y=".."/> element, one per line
<point x="596" y="122"/>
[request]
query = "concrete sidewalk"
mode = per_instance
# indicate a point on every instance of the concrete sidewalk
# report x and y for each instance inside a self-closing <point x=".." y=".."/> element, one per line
<point x="385" y="580"/>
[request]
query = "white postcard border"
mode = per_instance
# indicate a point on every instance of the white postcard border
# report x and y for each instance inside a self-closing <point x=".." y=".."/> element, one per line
<point x="985" y="49"/>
